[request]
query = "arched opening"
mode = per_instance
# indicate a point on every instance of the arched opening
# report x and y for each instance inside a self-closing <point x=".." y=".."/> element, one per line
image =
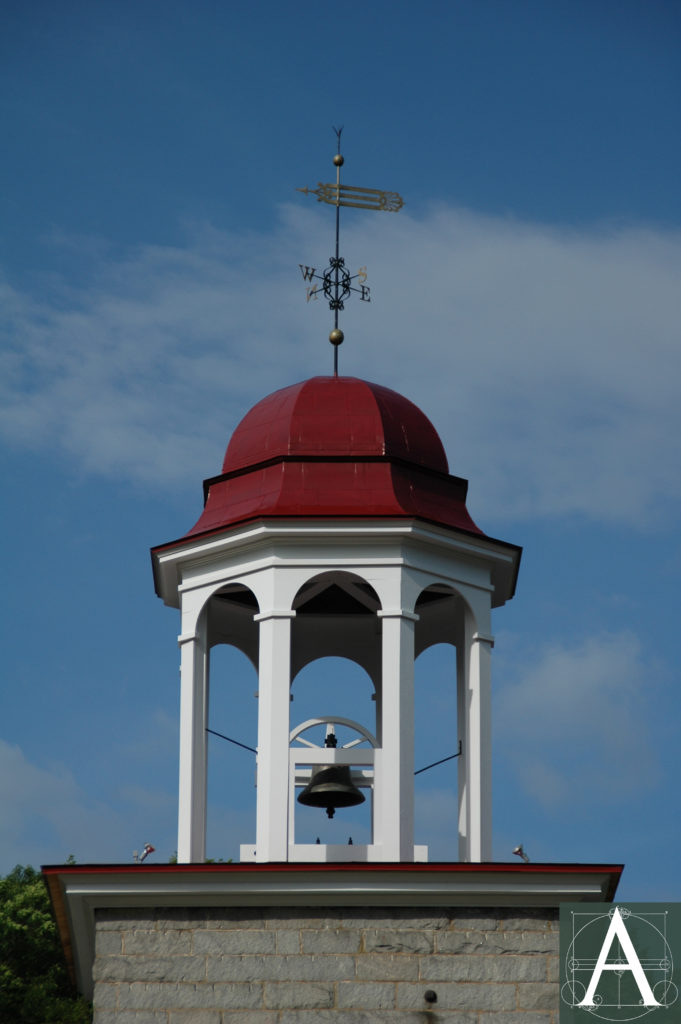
<point x="333" y="687"/>
<point x="436" y="738"/>
<point x="439" y="639"/>
<point x="232" y="721"/>
<point x="336" y="616"/>
<point x="441" y="613"/>
<point x="232" y="712"/>
<point x="230" y="619"/>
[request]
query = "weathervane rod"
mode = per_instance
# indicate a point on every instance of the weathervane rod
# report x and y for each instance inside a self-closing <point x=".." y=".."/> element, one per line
<point x="338" y="161"/>
<point x="336" y="281"/>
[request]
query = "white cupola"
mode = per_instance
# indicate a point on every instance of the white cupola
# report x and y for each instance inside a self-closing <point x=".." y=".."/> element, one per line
<point x="335" y="528"/>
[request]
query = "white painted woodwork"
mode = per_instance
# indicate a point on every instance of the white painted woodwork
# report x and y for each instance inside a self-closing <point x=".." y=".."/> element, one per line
<point x="191" y="842"/>
<point x="273" y="735"/>
<point x="285" y="564"/>
<point x="394" y="824"/>
<point x="462" y="704"/>
<point x="478" y="760"/>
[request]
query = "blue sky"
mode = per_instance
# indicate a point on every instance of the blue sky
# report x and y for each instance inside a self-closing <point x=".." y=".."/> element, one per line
<point x="526" y="297"/>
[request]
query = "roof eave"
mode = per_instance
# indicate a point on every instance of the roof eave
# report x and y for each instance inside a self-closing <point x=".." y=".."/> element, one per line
<point x="78" y="891"/>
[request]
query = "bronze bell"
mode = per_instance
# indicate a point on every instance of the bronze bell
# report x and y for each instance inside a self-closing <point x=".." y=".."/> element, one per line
<point x="331" y="787"/>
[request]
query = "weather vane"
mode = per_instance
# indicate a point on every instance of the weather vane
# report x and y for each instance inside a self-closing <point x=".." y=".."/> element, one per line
<point x="336" y="280"/>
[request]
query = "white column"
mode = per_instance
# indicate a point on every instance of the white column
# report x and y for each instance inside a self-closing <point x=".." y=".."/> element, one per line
<point x="477" y="745"/>
<point x="394" y="826"/>
<point x="274" y="687"/>
<point x="374" y="791"/>
<point x="191" y="827"/>
<point x="462" y="726"/>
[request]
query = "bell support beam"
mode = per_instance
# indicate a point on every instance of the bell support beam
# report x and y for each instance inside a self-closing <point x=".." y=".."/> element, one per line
<point x="274" y="687"/>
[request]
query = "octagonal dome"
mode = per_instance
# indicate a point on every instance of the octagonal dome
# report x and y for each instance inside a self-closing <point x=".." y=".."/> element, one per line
<point x="334" y="447"/>
<point x="335" y="416"/>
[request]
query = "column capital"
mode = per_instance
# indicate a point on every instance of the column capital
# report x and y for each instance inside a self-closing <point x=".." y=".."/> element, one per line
<point x="483" y="638"/>
<point x="186" y="638"/>
<point x="274" y="613"/>
<point x="397" y="613"/>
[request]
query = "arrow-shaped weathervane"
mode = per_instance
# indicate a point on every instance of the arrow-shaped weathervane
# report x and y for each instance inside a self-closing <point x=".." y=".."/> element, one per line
<point x="353" y="195"/>
<point x="336" y="281"/>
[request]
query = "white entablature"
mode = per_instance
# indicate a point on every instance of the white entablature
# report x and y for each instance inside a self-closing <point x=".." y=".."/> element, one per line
<point x="287" y="592"/>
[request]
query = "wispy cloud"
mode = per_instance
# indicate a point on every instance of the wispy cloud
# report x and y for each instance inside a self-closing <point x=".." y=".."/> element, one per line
<point x="47" y="815"/>
<point x="576" y="724"/>
<point x="547" y="358"/>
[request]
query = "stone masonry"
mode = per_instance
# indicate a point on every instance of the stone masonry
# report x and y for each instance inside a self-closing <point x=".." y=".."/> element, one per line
<point x="327" y="965"/>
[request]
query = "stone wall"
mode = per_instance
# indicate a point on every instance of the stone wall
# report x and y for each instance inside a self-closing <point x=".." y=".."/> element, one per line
<point x="288" y="965"/>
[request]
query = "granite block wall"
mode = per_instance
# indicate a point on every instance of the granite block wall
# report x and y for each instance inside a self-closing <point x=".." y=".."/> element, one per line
<point x="284" y="965"/>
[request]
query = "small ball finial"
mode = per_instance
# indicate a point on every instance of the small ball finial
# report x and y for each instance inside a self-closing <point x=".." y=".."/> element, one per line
<point x="336" y="337"/>
<point x="339" y="160"/>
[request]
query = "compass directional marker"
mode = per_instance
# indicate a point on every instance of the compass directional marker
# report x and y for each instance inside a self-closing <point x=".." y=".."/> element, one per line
<point x="354" y="195"/>
<point x="337" y="283"/>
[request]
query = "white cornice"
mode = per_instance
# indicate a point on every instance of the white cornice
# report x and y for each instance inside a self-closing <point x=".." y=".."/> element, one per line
<point x="77" y="893"/>
<point x="173" y="561"/>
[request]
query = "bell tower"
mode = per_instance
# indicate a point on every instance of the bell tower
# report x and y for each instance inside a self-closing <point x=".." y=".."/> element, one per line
<point x="335" y="528"/>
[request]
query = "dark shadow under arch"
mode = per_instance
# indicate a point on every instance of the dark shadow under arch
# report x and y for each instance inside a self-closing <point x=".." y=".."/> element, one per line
<point x="441" y="611"/>
<point x="336" y="616"/>
<point x="230" y="613"/>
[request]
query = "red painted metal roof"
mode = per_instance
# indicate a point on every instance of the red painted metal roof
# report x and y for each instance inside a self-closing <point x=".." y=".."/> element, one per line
<point x="335" y="416"/>
<point x="335" y="446"/>
<point x="376" y="867"/>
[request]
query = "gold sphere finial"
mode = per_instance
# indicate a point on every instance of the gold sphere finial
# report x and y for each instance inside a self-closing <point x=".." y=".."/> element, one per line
<point x="339" y="160"/>
<point x="336" y="337"/>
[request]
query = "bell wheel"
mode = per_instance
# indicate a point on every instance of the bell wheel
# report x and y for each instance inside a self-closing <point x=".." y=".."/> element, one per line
<point x="320" y="731"/>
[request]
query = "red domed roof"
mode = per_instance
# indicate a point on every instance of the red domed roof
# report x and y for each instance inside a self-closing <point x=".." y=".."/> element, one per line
<point x="335" y="416"/>
<point x="335" y="447"/>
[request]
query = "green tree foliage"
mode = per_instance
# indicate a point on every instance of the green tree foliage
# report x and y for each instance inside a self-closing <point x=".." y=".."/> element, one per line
<point x="34" y="985"/>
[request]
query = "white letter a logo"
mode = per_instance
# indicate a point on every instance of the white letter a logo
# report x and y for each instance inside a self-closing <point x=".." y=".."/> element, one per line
<point x="618" y="929"/>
